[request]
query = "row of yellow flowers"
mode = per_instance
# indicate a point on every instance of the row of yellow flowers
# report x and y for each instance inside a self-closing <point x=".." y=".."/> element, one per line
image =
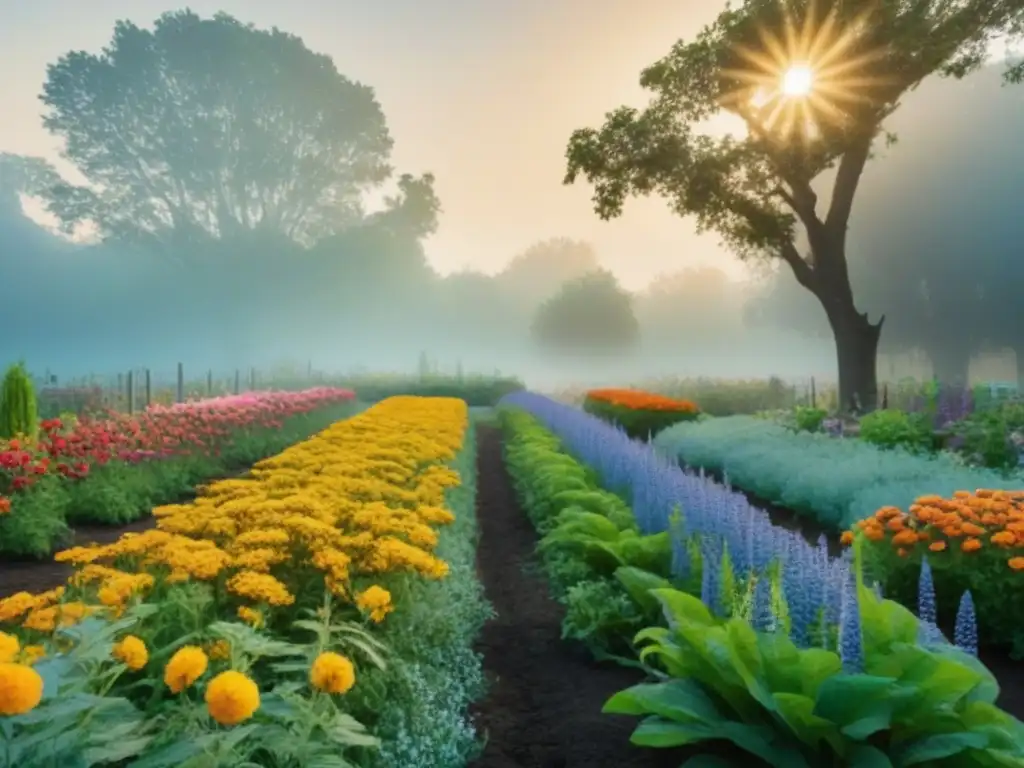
<point x="332" y="515"/>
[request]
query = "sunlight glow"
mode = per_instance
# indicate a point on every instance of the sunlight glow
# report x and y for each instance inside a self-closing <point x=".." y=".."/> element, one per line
<point x="798" y="80"/>
<point x="805" y="74"/>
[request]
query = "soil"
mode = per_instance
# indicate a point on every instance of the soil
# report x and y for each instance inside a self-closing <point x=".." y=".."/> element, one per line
<point x="543" y="708"/>
<point x="41" y="575"/>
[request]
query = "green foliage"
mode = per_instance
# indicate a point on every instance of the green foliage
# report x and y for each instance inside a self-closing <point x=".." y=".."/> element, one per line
<point x="601" y="614"/>
<point x="590" y="314"/>
<point x="796" y="707"/>
<point x="19" y="412"/>
<point x="36" y="525"/>
<point x="417" y="705"/>
<point x="120" y="492"/>
<point x="807" y="419"/>
<point x="638" y="423"/>
<point x="588" y="538"/>
<point x="892" y="428"/>
<point x="986" y="435"/>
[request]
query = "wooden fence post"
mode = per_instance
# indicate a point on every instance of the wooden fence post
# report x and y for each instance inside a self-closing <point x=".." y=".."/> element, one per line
<point x="238" y="381"/>
<point x="814" y="395"/>
<point x="130" y="378"/>
<point x="209" y="383"/>
<point x="252" y="379"/>
<point x="180" y="394"/>
<point x="149" y="388"/>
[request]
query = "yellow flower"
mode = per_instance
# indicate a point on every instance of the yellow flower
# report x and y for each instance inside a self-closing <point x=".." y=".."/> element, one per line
<point x="30" y="654"/>
<point x="376" y="601"/>
<point x="232" y="697"/>
<point x="131" y="651"/>
<point x="250" y="616"/>
<point x="21" y="689"/>
<point x="185" y="667"/>
<point x="9" y="647"/>
<point x="332" y="673"/>
<point x="219" y="649"/>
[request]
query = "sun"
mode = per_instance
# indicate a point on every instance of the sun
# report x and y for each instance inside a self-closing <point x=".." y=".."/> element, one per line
<point x="797" y="81"/>
<point x="796" y="74"/>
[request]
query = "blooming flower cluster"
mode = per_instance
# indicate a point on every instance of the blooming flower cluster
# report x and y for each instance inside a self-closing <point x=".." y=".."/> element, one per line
<point x="359" y="500"/>
<point x="968" y="522"/>
<point x="196" y="427"/>
<point x="636" y="399"/>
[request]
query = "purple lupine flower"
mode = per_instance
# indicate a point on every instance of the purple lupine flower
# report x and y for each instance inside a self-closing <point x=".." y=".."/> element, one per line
<point x="851" y="642"/>
<point x="926" y="594"/>
<point x="710" y="576"/>
<point x="965" y="634"/>
<point x="763" y="617"/>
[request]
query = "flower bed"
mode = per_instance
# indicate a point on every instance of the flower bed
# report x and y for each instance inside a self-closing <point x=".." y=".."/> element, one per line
<point x="238" y="625"/>
<point x="112" y="470"/>
<point x="970" y="541"/>
<point x="762" y="639"/>
<point x="641" y="414"/>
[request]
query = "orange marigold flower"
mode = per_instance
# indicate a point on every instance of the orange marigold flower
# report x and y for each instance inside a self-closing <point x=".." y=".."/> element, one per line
<point x="905" y="538"/>
<point x="1003" y="539"/>
<point x="937" y="546"/>
<point x="972" y="530"/>
<point x="971" y="545"/>
<point x="1016" y="563"/>
<point x="847" y="538"/>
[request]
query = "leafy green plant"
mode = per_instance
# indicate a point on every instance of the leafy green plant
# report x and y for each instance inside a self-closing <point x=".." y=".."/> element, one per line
<point x="605" y="547"/>
<point x="19" y="411"/>
<point x="891" y="428"/>
<point x="806" y="419"/>
<point x="798" y="708"/>
<point x="36" y="520"/>
<point x="601" y="614"/>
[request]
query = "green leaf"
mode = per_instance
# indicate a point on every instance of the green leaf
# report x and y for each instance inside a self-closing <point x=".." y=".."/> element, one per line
<point x="865" y="756"/>
<point x="680" y="607"/>
<point x="816" y="666"/>
<point x="797" y="711"/>
<point x="682" y="700"/>
<point x="859" y="704"/>
<point x="639" y="583"/>
<point x="936" y="747"/>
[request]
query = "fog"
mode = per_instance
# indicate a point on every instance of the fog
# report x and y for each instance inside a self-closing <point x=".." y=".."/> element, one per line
<point x="199" y="268"/>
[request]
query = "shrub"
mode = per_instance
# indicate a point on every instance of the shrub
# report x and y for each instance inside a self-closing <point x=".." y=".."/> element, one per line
<point x="19" y="413"/>
<point x="640" y="414"/>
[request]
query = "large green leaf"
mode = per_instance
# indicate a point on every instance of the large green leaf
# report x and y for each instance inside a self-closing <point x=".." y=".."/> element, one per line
<point x="859" y="705"/>
<point x="756" y="740"/>
<point x="797" y="712"/>
<point x="639" y="583"/>
<point x="683" y="700"/>
<point x="936" y="747"/>
<point x="682" y="608"/>
<point x="746" y="661"/>
<point x="816" y="666"/>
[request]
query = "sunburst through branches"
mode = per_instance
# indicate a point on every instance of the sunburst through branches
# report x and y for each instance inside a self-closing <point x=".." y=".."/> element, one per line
<point x="805" y="72"/>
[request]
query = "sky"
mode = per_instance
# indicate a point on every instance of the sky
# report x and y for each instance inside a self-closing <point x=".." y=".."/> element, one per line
<point x="483" y="94"/>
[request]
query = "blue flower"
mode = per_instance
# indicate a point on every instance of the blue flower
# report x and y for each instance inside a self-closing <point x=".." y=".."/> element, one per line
<point x="926" y="594"/>
<point x="965" y="634"/>
<point x="851" y="642"/>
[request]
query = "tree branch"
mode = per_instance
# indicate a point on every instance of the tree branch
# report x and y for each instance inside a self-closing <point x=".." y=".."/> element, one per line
<point x="803" y="272"/>
<point x="845" y="187"/>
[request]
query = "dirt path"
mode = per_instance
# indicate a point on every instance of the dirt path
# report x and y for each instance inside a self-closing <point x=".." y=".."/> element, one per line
<point x="40" y="575"/>
<point x="544" y="705"/>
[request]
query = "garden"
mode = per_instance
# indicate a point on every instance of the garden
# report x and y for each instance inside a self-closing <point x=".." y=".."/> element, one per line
<point x="397" y="579"/>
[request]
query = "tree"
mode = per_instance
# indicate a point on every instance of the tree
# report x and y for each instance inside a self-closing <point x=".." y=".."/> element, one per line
<point x="536" y="273"/>
<point x="856" y="61"/>
<point x="204" y="128"/>
<point x="591" y="315"/>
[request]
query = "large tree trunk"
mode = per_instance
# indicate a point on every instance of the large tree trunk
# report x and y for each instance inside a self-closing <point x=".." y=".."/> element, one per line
<point x="951" y="361"/>
<point x="857" y="354"/>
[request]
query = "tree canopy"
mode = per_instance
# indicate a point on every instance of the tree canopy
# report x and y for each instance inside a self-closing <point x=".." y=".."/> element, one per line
<point x="591" y="315"/>
<point x="203" y="128"/>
